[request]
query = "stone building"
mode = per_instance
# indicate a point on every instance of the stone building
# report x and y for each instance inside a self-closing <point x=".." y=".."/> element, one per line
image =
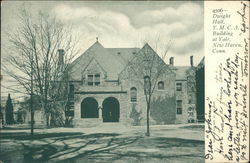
<point x="100" y="91"/>
<point x="200" y="93"/>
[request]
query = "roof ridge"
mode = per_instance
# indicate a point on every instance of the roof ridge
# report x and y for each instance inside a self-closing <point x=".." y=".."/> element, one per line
<point x="123" y="48"/>
<point x="88" y="49"/>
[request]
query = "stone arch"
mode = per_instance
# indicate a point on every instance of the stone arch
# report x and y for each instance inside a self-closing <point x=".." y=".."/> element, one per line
<point x="111" y="110"/>
<point x="89" y="108"/>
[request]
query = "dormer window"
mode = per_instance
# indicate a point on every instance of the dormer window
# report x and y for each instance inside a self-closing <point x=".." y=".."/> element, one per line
<point x="93" y="79"/>
<point x="97" y="79"/>
<point x="90" y="80"/>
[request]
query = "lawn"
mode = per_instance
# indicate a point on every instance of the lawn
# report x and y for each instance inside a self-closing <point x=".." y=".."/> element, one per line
<point x="167" y="144"/>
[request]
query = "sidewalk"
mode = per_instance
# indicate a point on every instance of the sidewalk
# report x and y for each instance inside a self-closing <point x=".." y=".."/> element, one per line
<point x="173" y="130"/>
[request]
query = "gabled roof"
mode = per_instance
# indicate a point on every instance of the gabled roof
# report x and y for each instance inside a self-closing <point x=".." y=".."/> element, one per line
<point x="123" y="54"/>
<point x="77" y="66"/>
<point x="146" y="52"/>
<point x="92" y="48"/>
<point x="112" y="60"/>
<point x="95" y="62"/>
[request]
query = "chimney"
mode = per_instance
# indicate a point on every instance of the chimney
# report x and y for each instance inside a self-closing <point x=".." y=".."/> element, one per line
<point x="191" y="61"/>
<point x="171" y="61"/>
<point x="61" y="56"/>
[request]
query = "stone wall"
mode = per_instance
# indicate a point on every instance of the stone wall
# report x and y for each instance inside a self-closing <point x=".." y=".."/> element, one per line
<point x="90" y="122"/>
<point x="188" y="97"/>
<point x="141" y="105"/>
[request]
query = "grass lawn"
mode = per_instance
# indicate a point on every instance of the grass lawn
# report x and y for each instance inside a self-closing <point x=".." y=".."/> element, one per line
<point x="129" y="146"/>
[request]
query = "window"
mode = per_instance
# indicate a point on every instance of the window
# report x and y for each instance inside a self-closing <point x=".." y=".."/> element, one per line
<point x="93" y="79"/>
<point x="191" y="98"/>
<point x="90" y="80"/>
<point x="190" y="112"/>
<point x="160" y="85"/>
<point x="71" y="88"/>
<point x="146" y="84"/>
<point x="71" y="92"/>
<point x="97" y="79"/>
<point x="178" y="86"/>
<point x="179" y="110"/>
<point x="133" y="94"/>
<point x="191" y="86"/>
<point x="179" y="106"/>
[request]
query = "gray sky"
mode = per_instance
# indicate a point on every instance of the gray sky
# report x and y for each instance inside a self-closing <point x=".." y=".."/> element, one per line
<point x="122" y="24"/>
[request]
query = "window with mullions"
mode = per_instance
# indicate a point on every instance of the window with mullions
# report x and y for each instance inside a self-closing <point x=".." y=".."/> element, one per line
<point x="97" y="79"/>
<point x="190" y="112"/>
<point x="94" y="79"/>
<point x="179" y="106"/>
<point x="133" y="94"/>
<point x="90" y="80"/>
<point x="71" y="91"/>
<point x="178" y="86"/>
<point x="71" y="88"/>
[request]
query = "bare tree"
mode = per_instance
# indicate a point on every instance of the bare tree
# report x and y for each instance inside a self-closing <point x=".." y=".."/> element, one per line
<point x="35" y="62"/>
<point x="147" y="67"/>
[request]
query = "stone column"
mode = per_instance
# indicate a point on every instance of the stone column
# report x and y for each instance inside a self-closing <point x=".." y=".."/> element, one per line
<point x="100" y="112"/>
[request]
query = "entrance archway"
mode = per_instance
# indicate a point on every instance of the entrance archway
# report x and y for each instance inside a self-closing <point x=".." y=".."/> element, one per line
<point x="89" y="108"/>
<point x="111" y="110"/>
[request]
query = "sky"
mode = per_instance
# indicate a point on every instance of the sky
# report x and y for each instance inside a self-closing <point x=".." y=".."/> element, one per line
<point x="121" y="24"/>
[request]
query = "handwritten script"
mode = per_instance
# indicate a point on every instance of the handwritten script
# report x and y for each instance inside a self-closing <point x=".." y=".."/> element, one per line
<point x="227" y="107"/>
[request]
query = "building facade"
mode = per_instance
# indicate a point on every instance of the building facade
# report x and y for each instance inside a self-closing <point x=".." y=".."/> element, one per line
<point x="200" y="93"/>
<point x="102" y="89"/>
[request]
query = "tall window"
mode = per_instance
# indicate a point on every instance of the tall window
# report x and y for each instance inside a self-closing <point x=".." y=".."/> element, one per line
<point x="160" y="85"/>
<point x="133" y="94"/>
<point x="71" y="88"/>
<point x="70" y="103"/>
<point x="147" y="84"/>
<point x="178" y="86"/>
<point x="179" y="106"/>
<point x="71" y="91"/>
<point x="93" y="79"/>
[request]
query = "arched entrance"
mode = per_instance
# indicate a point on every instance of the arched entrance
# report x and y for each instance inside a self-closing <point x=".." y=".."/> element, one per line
<point x="111" y="110"/>
<point x="89" y="108"/>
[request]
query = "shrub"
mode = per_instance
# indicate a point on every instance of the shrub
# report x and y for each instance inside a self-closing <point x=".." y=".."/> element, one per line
<point x="163" y="110"/>
<point x="135" y="115"/>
